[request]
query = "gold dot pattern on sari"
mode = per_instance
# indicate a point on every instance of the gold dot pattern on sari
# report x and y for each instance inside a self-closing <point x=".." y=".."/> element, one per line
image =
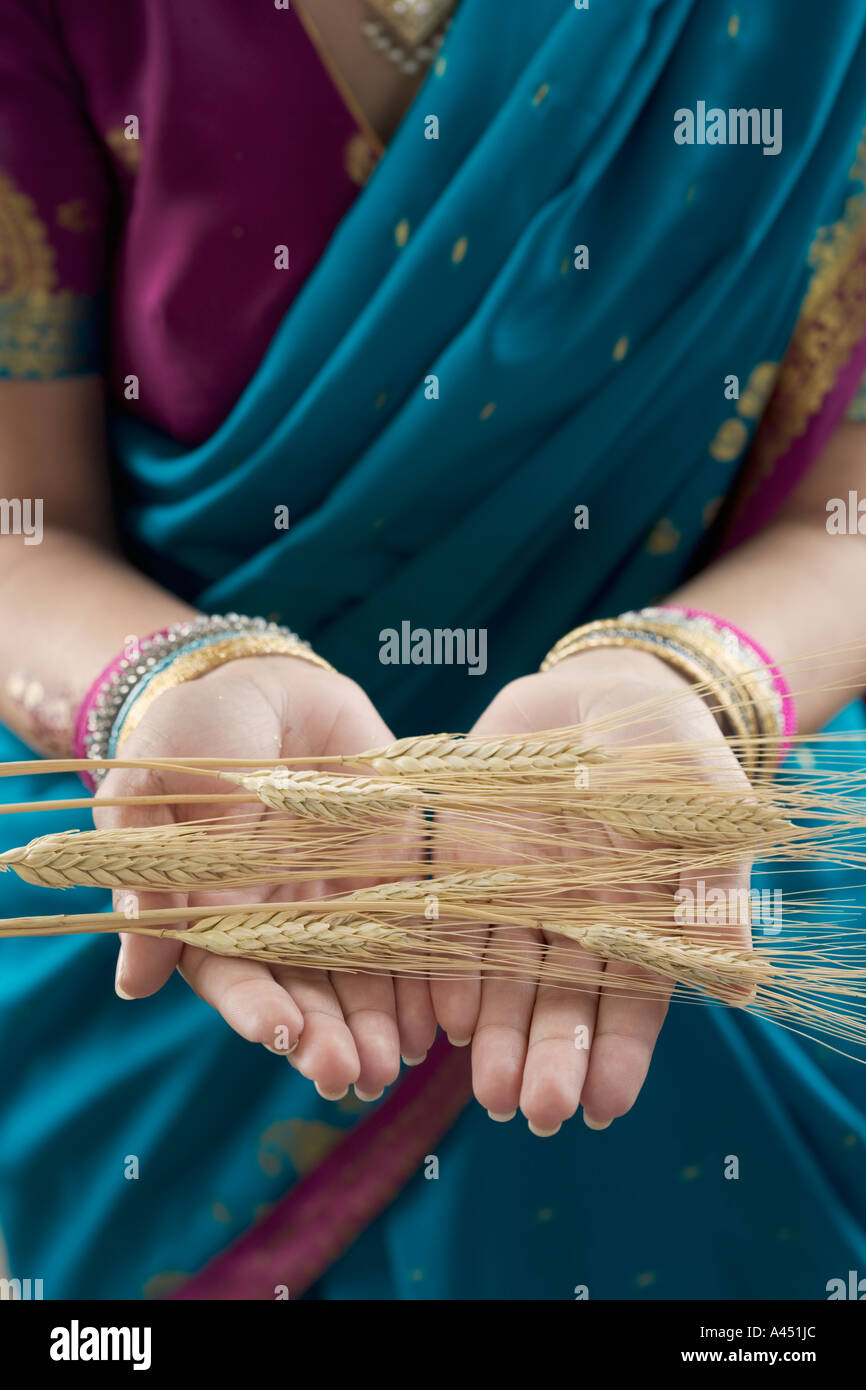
<point x="488" y="410"/>
<point x="401" y="232"/>
<point x="759" y="388"/>
<point x="620" y="349"/>
<point x="303" y="1143"/>
<point x="664" y="538"/>
<point x="459" y="249"/>
<point x="730" y="440"/>
<point x="359" y="158"/>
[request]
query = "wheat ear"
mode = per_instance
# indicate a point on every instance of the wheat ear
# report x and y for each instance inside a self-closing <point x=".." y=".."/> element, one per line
<point x="328" y="797"/>
<point x="684" y="819"/>
<point x="77" y="859"/>
<point x="448" y="753"/>
<point x="286" y="934"/>
<point x="718" y="969"/>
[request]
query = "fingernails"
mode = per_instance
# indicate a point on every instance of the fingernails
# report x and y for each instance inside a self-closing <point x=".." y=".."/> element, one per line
<point x="594" y="1124"/>
<point x="413" y="1061"/>
<point x="543" y="1133"/>
<point x="501" y="1119"/>
<point x="458" y="1042"/>
<point x="368" y="1095"/>
<point x="118" y="973"/>
<point x="328" y="1095"/>
<point x="282" y="1051"/>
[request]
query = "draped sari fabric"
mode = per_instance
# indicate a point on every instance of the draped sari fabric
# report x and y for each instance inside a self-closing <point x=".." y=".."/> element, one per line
<point x="554" y="386"/>
<point x="443" y="393"/>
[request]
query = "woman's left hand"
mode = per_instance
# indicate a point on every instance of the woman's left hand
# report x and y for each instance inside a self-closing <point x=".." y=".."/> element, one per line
<point x="528" y="1041"/>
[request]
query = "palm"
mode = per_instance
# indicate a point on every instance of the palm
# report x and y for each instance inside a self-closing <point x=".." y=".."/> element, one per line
<point x="524" y="1049"/>
<point x="349" y="1028"/>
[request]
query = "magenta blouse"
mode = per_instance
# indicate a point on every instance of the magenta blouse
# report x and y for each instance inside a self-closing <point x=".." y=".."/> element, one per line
<point x="169" y="175"/>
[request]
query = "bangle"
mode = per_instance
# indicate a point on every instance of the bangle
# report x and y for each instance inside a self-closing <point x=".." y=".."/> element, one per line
<point x="732" y="711"/>
<point x="214" y="639"/>
<point x="772" y="688"/>
<point x="753" y="702"/>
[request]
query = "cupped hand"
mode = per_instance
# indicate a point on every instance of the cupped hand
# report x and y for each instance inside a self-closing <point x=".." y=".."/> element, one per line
<point x="528" y="1041"/>
<point x="337" y="1027"/>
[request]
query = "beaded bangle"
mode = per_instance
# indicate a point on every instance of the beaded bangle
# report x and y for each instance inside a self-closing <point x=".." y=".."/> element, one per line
<point x="101" y="719"/>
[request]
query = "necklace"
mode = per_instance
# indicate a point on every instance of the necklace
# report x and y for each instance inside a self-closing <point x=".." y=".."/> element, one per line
<point x="408" y="33"/>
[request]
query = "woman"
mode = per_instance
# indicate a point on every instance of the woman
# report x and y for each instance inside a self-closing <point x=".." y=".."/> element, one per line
<point x="536" y="304"/>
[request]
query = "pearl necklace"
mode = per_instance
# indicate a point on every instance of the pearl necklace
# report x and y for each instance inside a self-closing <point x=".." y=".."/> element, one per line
<point x="408" y="33"/>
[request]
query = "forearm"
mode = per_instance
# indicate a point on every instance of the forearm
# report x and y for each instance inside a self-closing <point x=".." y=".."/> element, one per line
<point x="69" y="606"/>
<point x="800" y="590"/>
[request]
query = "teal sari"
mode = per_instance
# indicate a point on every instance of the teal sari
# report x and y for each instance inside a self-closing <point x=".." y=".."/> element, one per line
<point x="446" y="390"/>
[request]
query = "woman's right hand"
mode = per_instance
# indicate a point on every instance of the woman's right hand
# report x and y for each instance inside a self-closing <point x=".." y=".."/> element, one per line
<point x="343" y="1028"/>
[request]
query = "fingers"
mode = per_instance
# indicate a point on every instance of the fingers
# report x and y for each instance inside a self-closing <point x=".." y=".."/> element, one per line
<point x="560" y="1039"/>
<point x="416" y="1021"/>
<point x="500" y="1038"/>
<point x="143" y="964"/>
<point x="370" y="1012"/>
<point x="326" y="1053"/>
<point x="456" y="1004"/>
<point x="245" y="992"/>
<point x="627" y="1026"/>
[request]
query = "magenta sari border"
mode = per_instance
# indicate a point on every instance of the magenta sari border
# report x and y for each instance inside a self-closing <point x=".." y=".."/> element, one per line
<point x="326" y="1211"/>
<point x="795" y="463"/>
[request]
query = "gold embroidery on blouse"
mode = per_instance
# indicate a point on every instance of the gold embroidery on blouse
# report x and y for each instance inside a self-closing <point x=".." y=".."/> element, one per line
<point x="40" y="326"/>
<point x="831" y="323"/>
<point x="125" y="150"/>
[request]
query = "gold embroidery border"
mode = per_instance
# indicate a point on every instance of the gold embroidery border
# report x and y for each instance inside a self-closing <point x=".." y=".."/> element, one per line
<point x="832" y="321"/>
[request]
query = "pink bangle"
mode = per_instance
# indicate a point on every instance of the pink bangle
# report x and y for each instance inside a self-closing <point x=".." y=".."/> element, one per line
<point x="738" y="639"/>
<point x="92" y="702"/>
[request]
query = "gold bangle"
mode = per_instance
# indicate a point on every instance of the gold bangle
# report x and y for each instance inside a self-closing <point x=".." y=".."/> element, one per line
<point x="693" y="663"/>
<point x="189" y="666"/>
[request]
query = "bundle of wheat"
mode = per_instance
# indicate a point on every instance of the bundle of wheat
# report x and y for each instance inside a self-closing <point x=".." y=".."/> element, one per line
<point x="575" y="836"/>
